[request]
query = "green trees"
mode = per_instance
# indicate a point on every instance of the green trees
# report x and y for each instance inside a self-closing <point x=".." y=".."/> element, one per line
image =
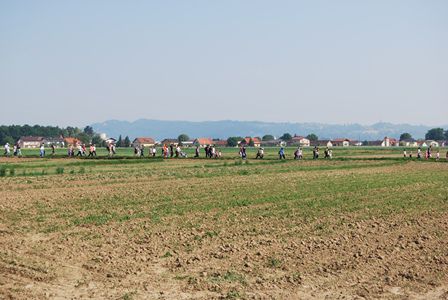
<point x="126" y="142"/>
<point x="435" y="134"/>
<point x="268" y="137"/>
<point x="183" y="138"/>
<point x="312" y="137"/>
<point x="405" y="136"/>
<point x="233" y="141"/>
<point x="10" y="134"/>
<point x="286" y="137"/>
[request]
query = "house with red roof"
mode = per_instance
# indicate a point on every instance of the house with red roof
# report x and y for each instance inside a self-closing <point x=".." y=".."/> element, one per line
<point x="143" y="142"/>
<point x="389" y="142"/>
<point x="300" y="141"/>
<point x="71" y="141"/>
<point x="202" y="142"/>
<point x="246" y="141"/>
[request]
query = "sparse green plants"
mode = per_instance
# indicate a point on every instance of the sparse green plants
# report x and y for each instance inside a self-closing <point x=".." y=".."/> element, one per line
<point x="274" y="262"/>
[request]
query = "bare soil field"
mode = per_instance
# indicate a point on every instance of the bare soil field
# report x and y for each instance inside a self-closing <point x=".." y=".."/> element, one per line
<point x="213" y="229"/>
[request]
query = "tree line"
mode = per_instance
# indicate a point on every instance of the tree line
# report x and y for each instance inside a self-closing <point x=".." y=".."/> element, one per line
<point x="436" y="134"/>
<point x="12" y="133"/>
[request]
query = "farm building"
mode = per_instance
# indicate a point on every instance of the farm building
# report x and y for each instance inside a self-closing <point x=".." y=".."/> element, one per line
<point x="432" y="143"/>
<point x="71" y="141"/>
<point x="220" y="143"/>
<point x="56" y="141"/>
<point x="374" y="143"/>
<point x="188" y="143"/>
<point x="341" y="142"/>
<point x="273" y="143"/>
<point x="322" y="143"/>
<point x="246" y="141"/>
<point x="168" y="142"/>
<point x="30" y="141"/>
<point x="143" y="141"/>
<point x="300" y="141"/>
<point x="409" y="143"/>
<point x="389" y="142"/>
<point x="202" y="142"/>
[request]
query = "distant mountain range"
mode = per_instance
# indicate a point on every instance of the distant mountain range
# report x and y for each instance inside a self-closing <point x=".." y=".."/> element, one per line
<point x="222" y="129"/>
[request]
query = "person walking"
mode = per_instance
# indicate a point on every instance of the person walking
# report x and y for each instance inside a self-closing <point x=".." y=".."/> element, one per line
<point x="7" y="150"/>
<point x="19" y="151"/>
<point x="79" y="151"/>
<point x="281" y="153"/>
<point x="298" y="153"/>
<point x="42" y="150"/>
<point x="243" y="153"/>
<point x="196" y="152"/>
<point x="90" y="151"/>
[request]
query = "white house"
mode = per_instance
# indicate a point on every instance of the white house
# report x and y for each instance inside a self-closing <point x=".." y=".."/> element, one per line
<point x="143" y="142"/>
<point x="389" y="142"/>
<point x="432" y="143"/>
<point x="341" y="142"/>
<point x="30" y="141"/>
<point x="300" y="140"/>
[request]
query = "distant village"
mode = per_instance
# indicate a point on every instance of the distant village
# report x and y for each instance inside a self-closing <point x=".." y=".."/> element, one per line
<point x="267" y="141"/>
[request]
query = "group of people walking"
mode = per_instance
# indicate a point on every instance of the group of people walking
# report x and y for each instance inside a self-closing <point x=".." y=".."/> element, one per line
<point x="81" y="150"/>
<point x="428" y="153"/>
<point x="298" y="153"/>
<point x="170" y="151"/>
<point x="16" y="150"/>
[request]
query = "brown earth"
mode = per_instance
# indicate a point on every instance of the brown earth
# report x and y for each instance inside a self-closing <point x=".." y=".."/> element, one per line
<point x="216" y="253"/>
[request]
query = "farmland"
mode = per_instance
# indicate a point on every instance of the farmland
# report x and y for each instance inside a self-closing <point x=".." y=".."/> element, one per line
<point x="367" y="223"/>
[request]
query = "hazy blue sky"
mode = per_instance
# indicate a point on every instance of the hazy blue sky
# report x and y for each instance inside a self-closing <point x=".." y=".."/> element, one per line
<point x="79" y="62"/>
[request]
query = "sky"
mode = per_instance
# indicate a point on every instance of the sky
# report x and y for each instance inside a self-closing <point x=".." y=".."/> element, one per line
<point x="337" y="62"/>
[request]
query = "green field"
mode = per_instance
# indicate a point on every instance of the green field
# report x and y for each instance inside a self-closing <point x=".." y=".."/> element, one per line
<point x="224" y="228"/>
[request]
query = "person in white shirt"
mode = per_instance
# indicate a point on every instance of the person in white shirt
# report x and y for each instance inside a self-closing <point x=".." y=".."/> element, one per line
<point x="42" y="150"/>
<point x="7" y="150"/>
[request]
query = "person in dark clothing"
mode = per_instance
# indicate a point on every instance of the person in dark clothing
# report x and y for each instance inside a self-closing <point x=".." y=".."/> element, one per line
<point x="281" y="153"/>
<point x="315" y="152"/>
<point x="171" y="150"/>
<point x="243" y="153"/>
<point x="196" y="152"/>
